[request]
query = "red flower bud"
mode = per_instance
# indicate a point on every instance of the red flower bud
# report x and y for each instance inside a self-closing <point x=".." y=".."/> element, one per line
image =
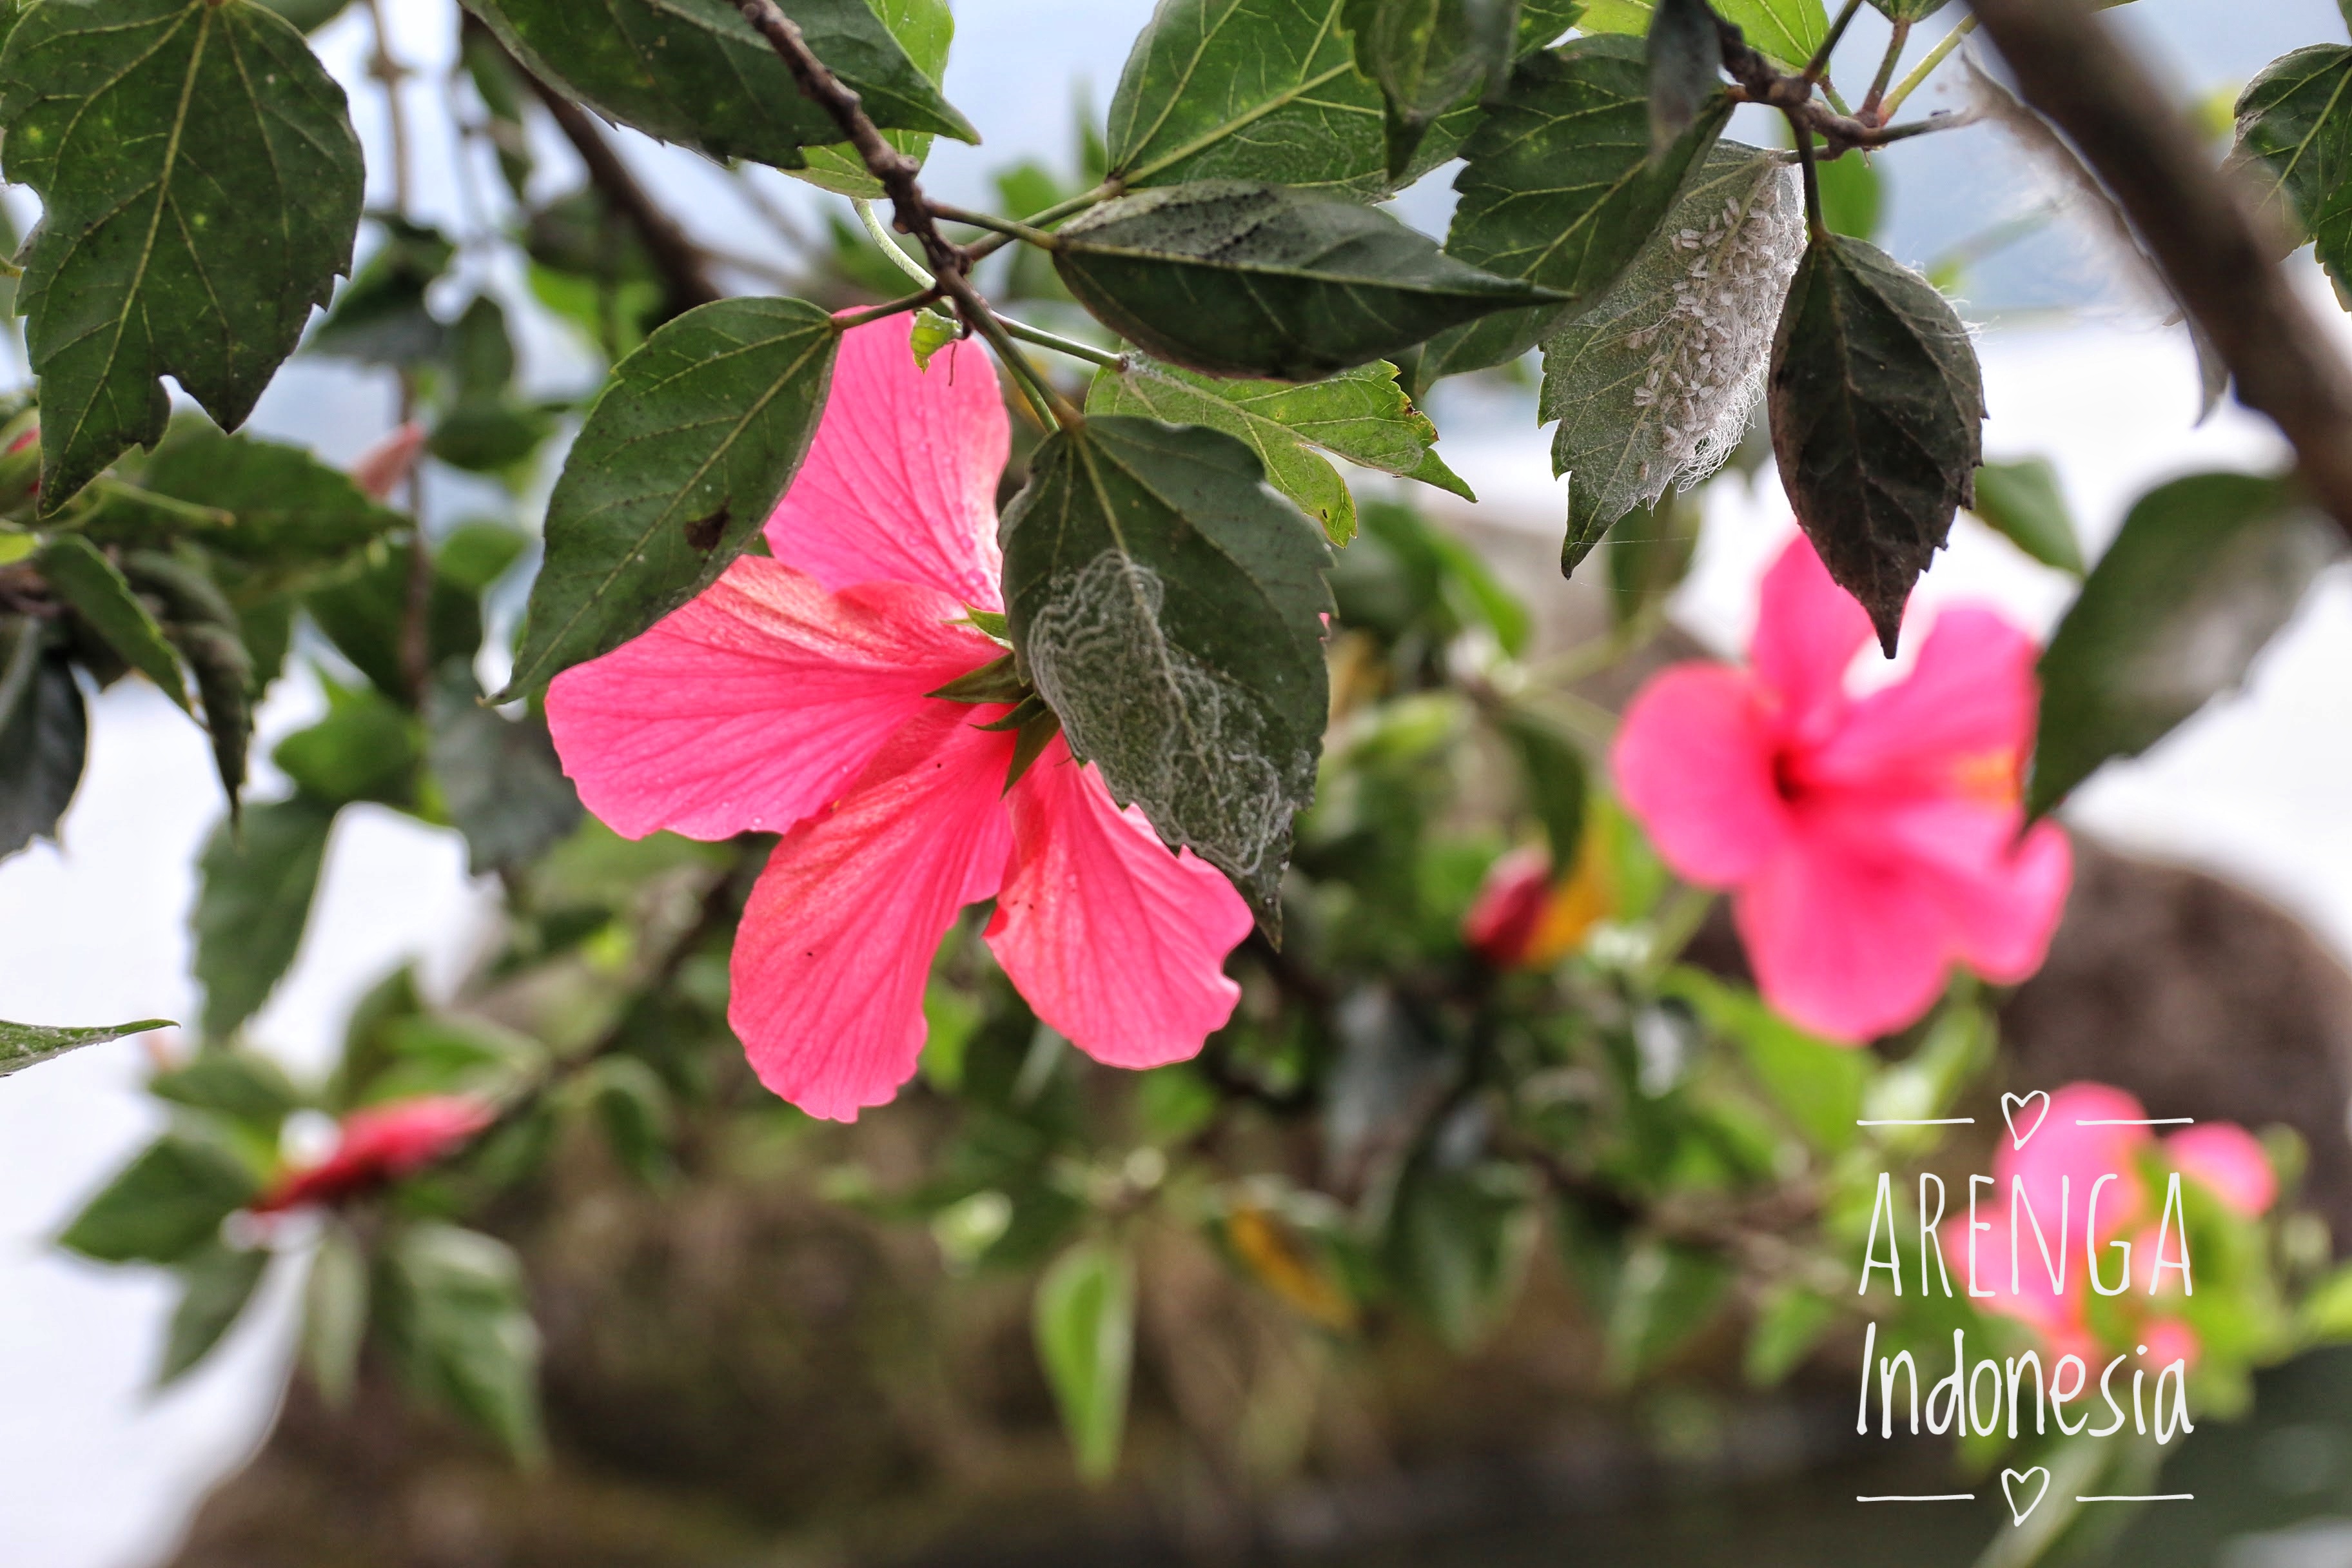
<point x="378" y="1146"/>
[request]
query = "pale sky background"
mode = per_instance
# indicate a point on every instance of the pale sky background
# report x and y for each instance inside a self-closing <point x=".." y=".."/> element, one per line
<point x="95" y="1473"/>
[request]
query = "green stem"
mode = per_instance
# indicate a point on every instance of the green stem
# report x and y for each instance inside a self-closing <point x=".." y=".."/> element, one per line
<point x="1048" y="216"/>
<point x="187" y="512"/>
<point x="898" y="307"/>
<point x="881" y="236"/>
<point x="1820" y="64"/>
<point x="914" y="269"/>
<point x="1926" y="67"/>
<point x="1895" y="44"/>
<point x="1003" y="226"/>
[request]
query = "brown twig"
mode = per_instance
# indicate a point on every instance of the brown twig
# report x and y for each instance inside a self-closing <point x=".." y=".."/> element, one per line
<point x="2201" y="233"/>
<point x="686" y="281"/>
<point x="1760" y="81"/>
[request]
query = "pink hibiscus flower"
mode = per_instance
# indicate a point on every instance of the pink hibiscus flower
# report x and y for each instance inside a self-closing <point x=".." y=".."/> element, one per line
<point x="379" y="1145"/>
<point x="2062" y="1163"/>
<point x="1871" y="842"/>
<point x="792" y="697"/>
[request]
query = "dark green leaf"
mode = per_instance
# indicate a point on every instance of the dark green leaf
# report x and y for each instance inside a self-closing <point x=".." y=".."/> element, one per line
<point x="1427" y="55"/>
<point x="635" y="1109"/>
<point x="2205" y="572"/>
<point x="1653" y="385"/>
<point x="380" y="317"/>
<point x="1913" y="10"/>
<point x="254" y="902"/>
<point x="481" y="351"/>
<point x="363" y="611"/>
<point x="695" y="72"/>
<point x="244" y="1087"/>
<point x="1817" y="1084"/>
<point x="201" y="625"/>
<point x="1649" y="555"/>
<point x="1686" y="58"/>
<point x="1788" y="30"/>
<point x="2023" y="500"/>
<point x="501" y="779"/>
<point x="2295" y="134"/>
<point x="473" y="556"/>
<point x="164" y="1205"/>
<point x="1085" y="1324"/>
<point x="1361" y="415"/>
<point x="682" y="458"/>
<point x="1665" y="1293"/>
<point x="43" y="735"/>
<point x="1238" y="278"/>
<point x="334" y="1314"/>
<point x="366" y="748"/>
<point x="456" y="1317"/>
<point x="1877" y="420"/>
<point x="1169" y="606"/>
<point x="29" y="1045"/>
<point x="1853" y="196"/>
<point x="1459" y="1242"/>
<point x="1560" y="187"/>
<point x="99" y="593"/>
<point x="200" y="184"/>
<point x="308" y="15"/>
<point x="925" y="29"/>
<point x="216" y="1283"/>
<point x="281" y="509"/>
<point x="1552" y="769"/>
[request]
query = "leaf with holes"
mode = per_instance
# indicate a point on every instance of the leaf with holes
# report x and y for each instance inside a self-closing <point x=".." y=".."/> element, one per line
<point x="2205" y="572"/>
<point x="1877" y="420"/>
<point x="1233" y="278"/>
<point x="683" y="457"/>
<point x="44" y="734"/>
<point x="1788" y="30"/>
<point x="24" y="1046"/>
<point x="1268" y="89"/>
<point x="1653" y="385"/>
<point x="2294" y="136"/>
<point x="1170" y="607"/>
<point x="695" y="72"/>
<point x="1361" y="415"/>
<point x="201" y="187"/>
<point x="1560" y="187"/>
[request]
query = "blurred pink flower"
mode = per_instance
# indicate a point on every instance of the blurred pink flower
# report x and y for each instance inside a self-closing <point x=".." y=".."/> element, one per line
<point x="378" y="470"/>
<point x="377" y="1146"/>
<point x="1871" y="842"/>
<point x="2062" y="1163"/>
<point x="792" y="698"/>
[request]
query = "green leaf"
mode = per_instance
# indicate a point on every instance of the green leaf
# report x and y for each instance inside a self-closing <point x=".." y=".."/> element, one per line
<point x="1650" y="554"/>
<point x="165" y="1205"/>
<point x="2023" y="501"/>
<point x="1459" y="1242"/>
<point x="1560" y="187"/>
<point x="1788" y="30"/>
<point x="366" y="748"/>
<point x="205" y="630"/>
<point x="634" y="1108"/>
<point x="1818" y="1085"/>
<point x="1084" y="1320"/>
<point x="363" y="611"/>
<point x="1238" y="278"/>
<point x="44" y="734"/>
<point x="100" y="595"/>
<point x="501" y="778"/>
<point x="696" y="73"/>
<point x="1427" y="56"/>
<point x="1913" y="10"/>
<point x="201" y="187"/>
<point x="1361" y="415"/>
<point x="24" y="1046"/>
<point x="1552" y="769"/>
<point x="1653" y="385"/>
<point x="308" y="15"/>
<point x="682" y="458"/>
<point x="925" y="29"/>
<point x="457" y="1319"/>
<point x="2205" y="571"/>
<point x="334" y="1314"/>
<point x="216" y="1283"/>
<point x="380" y="318"/>
<point x="1170" y="608"/>
<point x="1685" y="59"/>
<point x="1853" y="196"/>
<point x="1665" y="1293"/>
<point x="2295" y="135"/>
<point x="1790" y="1322"/>
<point x="253" y="901"/>
<point x="1877" y="420"/>
<point x="283" y="510"/>
<point x="244" y="1087"/>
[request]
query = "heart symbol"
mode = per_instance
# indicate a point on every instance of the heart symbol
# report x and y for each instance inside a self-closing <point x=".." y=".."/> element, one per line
<point x="2010" y="1481"/>
<point x="2010" y="1104"/>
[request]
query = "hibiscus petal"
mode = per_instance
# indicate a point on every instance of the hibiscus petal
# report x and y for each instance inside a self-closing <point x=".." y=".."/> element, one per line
<point x="2002" y="896"/>
<point x="1694" y="763"/>
<point x="1116" y="942"/>
<point x="1962" y="719"/>
<point x="2228" y="1160"/>
<point x="1808" y="630"/>
<point x="900" y="485"/>
<point x="755" y="703"/>
<point x="836" y="941"/>
<point x="1849" y="946"/>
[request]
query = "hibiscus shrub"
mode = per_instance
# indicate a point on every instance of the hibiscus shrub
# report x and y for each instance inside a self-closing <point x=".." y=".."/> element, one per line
<point x="1189" y="836"/>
